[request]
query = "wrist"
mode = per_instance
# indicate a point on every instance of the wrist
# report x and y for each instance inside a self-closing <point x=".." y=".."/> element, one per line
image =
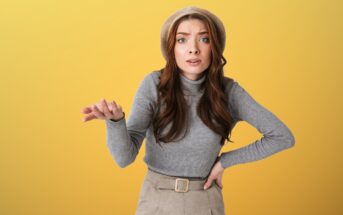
<point x="116" y="120"/>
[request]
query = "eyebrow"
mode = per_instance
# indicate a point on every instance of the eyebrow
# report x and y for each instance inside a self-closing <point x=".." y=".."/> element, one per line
<point x="184" y="33"/>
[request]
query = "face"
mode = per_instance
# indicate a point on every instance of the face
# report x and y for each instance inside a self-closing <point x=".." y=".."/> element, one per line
<point x="192" y="48"/>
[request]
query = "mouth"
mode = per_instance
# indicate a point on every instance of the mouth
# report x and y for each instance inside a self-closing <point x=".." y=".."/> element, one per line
<point x="194" y="62"/>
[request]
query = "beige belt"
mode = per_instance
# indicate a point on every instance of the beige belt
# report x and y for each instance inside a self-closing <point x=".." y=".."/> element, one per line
<point x="177" y="184"/>
<point x="180" y="185"/>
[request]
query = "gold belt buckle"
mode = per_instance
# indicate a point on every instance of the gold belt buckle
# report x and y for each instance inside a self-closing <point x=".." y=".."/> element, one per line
<point x="177" y="189"/>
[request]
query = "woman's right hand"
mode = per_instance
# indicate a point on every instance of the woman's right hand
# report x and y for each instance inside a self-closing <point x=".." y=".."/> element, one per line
<point x="103" y="110"/>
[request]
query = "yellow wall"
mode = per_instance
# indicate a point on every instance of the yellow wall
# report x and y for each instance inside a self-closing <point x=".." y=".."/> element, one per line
<point x="59" y="56"/>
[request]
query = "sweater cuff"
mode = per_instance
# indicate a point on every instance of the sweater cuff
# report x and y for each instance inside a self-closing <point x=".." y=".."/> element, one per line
<point x="115" y="123"/>
<point x="118" y="119"/>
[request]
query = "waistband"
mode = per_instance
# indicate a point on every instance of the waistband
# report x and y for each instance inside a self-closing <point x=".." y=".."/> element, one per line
<point x="178" y="184"/>
<point x="159" y="174"/>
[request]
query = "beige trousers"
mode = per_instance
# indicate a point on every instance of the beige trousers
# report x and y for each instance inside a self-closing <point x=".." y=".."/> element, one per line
<point x="158" y="196"/>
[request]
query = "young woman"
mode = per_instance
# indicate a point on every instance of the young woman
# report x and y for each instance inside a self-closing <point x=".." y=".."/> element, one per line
<point x="186" y="111"/>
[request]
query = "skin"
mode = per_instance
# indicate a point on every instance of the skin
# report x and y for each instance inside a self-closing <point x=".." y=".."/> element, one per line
<point x="193" y="44"/>
<point x="192" y="41"/>
<point x="103" y="110"/>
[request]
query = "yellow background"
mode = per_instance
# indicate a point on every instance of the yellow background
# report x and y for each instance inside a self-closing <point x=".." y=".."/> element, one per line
<point x="59" y="56"/>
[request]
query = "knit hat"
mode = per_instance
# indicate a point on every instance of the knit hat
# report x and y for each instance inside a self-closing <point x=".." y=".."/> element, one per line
<point x="185" y="11"/>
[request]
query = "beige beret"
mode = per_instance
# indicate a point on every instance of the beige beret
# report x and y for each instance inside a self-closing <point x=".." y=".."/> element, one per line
<point x="185" y="11"/>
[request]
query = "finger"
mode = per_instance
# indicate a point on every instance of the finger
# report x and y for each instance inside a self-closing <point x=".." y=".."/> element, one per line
<point x="219" y="183"/>
<point x="115" y="103"/>
<point x="105" y="109"/>
<point x="110" y="106"/>
<point x="99" y="106"/>
<point x="114" y="106"/>
<point x="119" y="107"/>
<point x="89" y="117"/>
<point x="86" y="110"/>
<point x="98" y="113"/>
<point x="208" y="183"/>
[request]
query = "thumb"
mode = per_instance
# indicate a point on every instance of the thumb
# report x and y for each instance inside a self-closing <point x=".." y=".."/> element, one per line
<point x="208" y="183"/>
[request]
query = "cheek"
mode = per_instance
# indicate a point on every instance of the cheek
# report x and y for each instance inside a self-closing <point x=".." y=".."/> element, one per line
<point x="208" y="55"/>
<point x="208" y="51"/>
<point x="178" y="54"/>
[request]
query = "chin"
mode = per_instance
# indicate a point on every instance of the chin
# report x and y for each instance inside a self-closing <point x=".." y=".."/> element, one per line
<point x="195" y="70"/>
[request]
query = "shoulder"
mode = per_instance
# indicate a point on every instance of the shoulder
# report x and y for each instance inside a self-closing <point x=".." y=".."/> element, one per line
<point x="236" y="92"/>
<point x="148" y="85"/>
<point x="230" y="86"/>
<point x="152" y="78"/>
<point x="233" y="91"/>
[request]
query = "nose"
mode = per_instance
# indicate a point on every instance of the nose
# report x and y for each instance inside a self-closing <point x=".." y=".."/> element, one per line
<point x="193" y="48"/>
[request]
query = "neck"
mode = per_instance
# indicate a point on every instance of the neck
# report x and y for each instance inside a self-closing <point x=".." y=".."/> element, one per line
<point x="192" y="87"/>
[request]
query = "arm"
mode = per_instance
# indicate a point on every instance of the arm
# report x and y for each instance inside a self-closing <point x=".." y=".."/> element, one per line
<point x="276" y="135"/>
<point x="124" y="139"/>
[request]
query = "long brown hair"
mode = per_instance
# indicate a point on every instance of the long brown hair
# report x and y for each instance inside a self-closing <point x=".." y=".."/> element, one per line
<point x="213" y="105"/>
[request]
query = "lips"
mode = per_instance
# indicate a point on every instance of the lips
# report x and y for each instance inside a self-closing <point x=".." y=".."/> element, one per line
<point x="195" y="60"/>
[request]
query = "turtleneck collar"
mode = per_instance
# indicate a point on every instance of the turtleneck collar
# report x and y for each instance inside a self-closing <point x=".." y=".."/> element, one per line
<point x="192" y="86"/>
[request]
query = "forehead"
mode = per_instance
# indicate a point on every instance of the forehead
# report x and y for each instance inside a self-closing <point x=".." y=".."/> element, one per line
<point x="191" y="25"/>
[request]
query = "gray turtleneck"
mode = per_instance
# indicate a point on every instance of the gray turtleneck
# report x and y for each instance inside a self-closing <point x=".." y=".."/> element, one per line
<point x="196" y="153"/>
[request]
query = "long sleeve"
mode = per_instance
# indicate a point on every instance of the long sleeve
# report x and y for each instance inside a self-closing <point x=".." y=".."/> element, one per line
<point x="276" y="135"/>
<point x="124" y="139"/>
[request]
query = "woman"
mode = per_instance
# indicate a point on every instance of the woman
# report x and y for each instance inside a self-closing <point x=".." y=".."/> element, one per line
<point x="186" y="111"/>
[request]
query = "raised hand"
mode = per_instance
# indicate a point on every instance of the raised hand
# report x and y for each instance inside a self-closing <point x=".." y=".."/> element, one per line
<point x="103" y="110"/>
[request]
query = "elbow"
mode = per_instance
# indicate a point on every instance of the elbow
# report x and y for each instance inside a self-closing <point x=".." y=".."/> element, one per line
<point x="120" y="157"/>
<point x="289" y="140"/>
<point x="124" y="162"/>
<point x="122" y="165"/>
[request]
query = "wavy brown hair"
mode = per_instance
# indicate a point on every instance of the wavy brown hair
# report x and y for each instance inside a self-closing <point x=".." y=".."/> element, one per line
<point x="172" y="111"/>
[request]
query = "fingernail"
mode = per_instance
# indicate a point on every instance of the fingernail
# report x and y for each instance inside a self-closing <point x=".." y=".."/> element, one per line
<point x="205" y="187"/>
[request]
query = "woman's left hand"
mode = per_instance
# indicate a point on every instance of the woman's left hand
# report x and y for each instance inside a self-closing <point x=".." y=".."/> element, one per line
<point x="215" y="175"/>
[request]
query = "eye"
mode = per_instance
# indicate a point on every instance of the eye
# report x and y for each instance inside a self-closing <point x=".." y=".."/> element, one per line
<point x="180" y="39"/>
<point x="206" y="39"/>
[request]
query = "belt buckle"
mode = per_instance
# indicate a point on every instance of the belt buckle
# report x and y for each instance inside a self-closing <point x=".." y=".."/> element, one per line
<point x="180" y="180"/>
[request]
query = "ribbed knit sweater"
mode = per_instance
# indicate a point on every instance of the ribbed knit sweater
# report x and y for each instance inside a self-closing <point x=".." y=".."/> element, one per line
<point x="196" y="153"/>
